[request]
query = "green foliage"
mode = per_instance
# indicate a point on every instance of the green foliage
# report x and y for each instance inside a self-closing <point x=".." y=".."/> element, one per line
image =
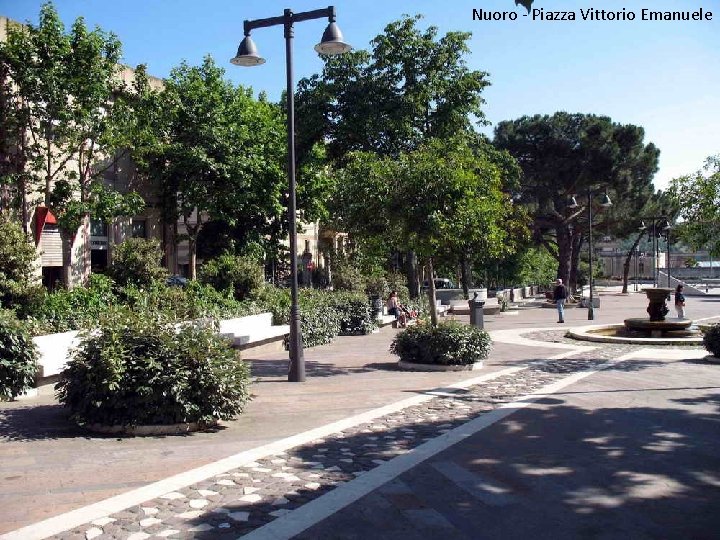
<point x="74" y="309"/>
<point x="194" y="301"/>
<point x="44" y="65"/>
<point x="566" y="154"/>
<point x="18" y="357"/>
<point x="218" y="153"/>
<point x="450" y="343"/>
<point x="698" y="198"/>
<point x="711" y="339"/>
<point x="356" y="315"/>
<point x="412" y="85"/>
<point x="137" y="261"/>
<point x="136" y="371"/>
<point x="323" y="314"/>
<point x="398" y="282"/>
<point x="241" y="276"/>
<point x="346" y="276"/>
<point x="17" y="261"/>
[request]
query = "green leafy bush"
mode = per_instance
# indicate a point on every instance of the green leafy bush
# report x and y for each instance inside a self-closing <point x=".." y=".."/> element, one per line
<point x="194" y="301"/>
<point x="398" y="282"/>
<point x="241" y="275"/>
<point x="18" y="357"/>
<point x="356" y="315"/>
<point x="74" y="309"/>
<point x="17" y="262"/>
<point x="346" y="276"/>
<point x="137" y="261"/>
<point x="711" y="339"/>
<point x="323" y="314"/>
<point x="135" y="370"/>
<point x="450" y="343"/>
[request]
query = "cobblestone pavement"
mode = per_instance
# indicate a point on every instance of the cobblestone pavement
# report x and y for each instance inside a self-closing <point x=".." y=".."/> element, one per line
<point x="236" y="502"/>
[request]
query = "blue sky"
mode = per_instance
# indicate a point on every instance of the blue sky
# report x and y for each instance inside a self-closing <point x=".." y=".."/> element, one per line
<point x="663" y="76"/>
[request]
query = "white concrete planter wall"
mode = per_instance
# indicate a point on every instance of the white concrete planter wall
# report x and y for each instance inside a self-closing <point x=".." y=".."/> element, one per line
<point x="55" y="349"/>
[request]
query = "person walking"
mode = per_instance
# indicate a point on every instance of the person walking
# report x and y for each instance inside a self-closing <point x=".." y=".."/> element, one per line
<point x="680" y="301"/>
<point x="560" y="295"/>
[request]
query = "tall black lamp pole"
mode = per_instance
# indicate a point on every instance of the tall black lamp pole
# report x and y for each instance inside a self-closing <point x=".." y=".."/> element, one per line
<point x="605" y="203"/>
<point x="247" y="55"/>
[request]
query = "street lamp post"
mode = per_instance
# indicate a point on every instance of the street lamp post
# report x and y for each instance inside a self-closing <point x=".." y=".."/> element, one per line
<point x="247" y="55"/>
<point x="606" y="202"/>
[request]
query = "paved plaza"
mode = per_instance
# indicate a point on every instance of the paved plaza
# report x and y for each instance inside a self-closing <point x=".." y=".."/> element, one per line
<point x="552" y="439"/>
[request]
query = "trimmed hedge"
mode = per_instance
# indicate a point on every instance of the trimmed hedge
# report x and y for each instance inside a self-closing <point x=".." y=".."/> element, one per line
<point x="711" y="340"/>
<point x="135" y="370"/>
<point x="449" y="343"/>
<point x="241" y="276"/>
<point x="18" y="357"/>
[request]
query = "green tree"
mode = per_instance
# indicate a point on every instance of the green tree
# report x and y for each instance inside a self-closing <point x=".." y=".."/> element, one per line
<point x="697" y="197"/>
<point x="566" y="154"/>
<point x="438" y="199"/>
<point x="70" y="118"/>
<point x="412" y="86"/>
<point x="217" y="154"/>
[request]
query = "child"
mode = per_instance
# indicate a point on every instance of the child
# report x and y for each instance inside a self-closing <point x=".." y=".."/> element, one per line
<point x="680" y="301"/>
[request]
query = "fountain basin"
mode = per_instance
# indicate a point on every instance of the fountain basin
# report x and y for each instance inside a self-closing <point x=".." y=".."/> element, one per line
<point x="618" y="333"/>
<point x="657" y="329"/>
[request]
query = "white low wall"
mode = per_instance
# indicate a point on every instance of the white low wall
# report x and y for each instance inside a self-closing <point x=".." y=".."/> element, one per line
<point x="55" y="349"/>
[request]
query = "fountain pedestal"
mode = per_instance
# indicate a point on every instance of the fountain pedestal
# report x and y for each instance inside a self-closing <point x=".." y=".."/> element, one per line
<point x="657" y="325"/>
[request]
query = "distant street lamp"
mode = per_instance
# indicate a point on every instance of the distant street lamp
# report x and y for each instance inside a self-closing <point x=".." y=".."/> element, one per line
<point x="247" y="55"/>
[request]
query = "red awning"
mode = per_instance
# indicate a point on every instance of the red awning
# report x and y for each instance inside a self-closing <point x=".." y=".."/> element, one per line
<point x="43" y="215"/>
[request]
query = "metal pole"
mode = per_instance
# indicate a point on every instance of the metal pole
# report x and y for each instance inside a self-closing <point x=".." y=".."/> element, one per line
<point x="591" y="309"/>
<point x="667" y="263"/>
<point x="296" y="369"/>
<point x="655" y="256"/>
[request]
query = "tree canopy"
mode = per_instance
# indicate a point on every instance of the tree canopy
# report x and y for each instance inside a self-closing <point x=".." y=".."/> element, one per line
<point x="564" y="155"/>
<point x="411" y="86"/>
<point x="697" y="197"/>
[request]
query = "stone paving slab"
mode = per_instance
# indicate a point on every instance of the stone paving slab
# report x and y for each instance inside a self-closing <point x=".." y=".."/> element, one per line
<point x="244" y="499"/>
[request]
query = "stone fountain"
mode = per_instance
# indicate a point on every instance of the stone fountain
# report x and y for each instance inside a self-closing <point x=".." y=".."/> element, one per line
<point x="657" y="325"/>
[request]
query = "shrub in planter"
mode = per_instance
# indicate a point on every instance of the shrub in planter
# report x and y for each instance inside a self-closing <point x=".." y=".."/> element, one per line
<point x="356" y="315"/>
<point x="137" y="261"/>
<point x="240" y="275"/>
<point x="134" y="370"/>
<point x="320" y="320"/>
<point x="711" y="340"/>
<point x="450" y="343"/>
<point x="18" y="357"/>
<point x="76" y="308"/>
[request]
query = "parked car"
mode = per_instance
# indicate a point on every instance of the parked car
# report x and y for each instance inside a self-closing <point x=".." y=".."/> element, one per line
<point x="441" y="283"/>
<point x="176" y="281"/>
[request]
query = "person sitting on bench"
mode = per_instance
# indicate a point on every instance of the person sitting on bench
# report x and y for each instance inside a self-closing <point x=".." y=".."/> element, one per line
<point x="395" y="308"/>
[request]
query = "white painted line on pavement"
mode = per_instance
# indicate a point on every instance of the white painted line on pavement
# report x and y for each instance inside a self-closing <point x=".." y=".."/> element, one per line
<point x="323" y="507"/>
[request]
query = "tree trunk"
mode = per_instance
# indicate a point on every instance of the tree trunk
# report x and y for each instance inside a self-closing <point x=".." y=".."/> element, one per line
<point x="431" y="293"/>
<point x="564" y="243"/>
<point x="192" y="257"/>
<point x="465" y="273"/>
<point x="411" y="271"/>
<point x="576" y="244"/>
<point x="628" y="260"/>
<point x="66" y="242"/>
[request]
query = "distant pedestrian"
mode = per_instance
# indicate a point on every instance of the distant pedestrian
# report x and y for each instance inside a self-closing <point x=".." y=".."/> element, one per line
<point x="680" y="301"/>
<point x="394" y="307"/>
<point x="560" y="295"/>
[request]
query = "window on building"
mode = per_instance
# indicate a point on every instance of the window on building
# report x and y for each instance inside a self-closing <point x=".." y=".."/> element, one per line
<point x="139" y="228"/>
<point x="98" y="228"/>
